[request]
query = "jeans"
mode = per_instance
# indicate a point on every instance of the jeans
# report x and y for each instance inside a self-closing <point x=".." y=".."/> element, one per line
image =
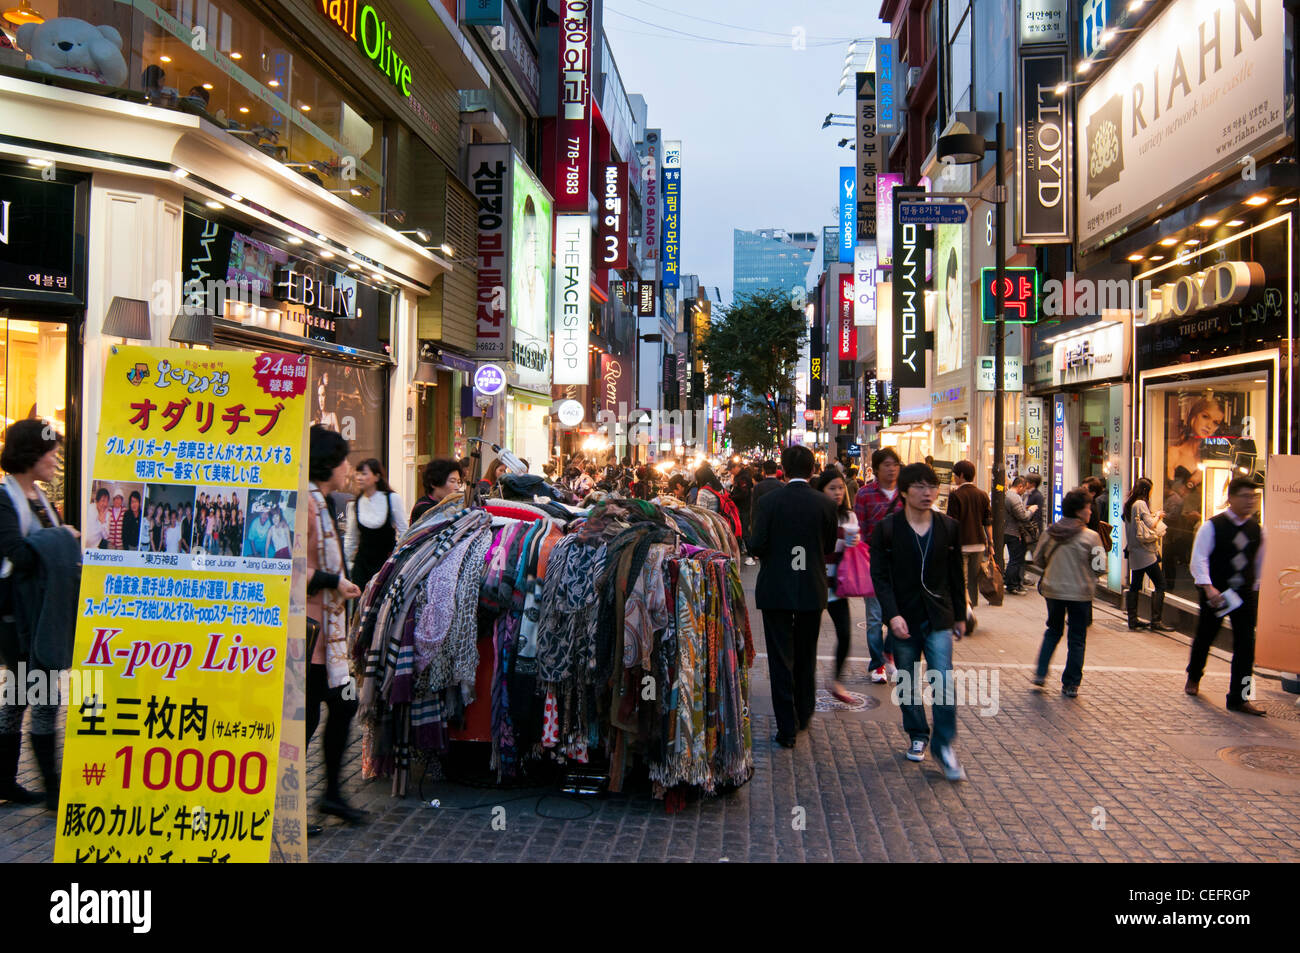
<point x="1080" y="616"/>
<point x="909" y="693"/>
<point x="878" y="644"/>
<point x="1015" y="577"/>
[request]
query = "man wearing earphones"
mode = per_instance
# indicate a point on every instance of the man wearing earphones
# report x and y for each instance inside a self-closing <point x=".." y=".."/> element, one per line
<point x="916" y="568"/>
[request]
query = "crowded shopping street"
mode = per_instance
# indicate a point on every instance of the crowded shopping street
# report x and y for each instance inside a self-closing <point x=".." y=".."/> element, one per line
<point x="636" y="431"/>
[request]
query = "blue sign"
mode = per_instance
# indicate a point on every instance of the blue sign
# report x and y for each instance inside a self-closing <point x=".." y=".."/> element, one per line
<point x="932" y="213"/>
<point x="848" y="213"/>
<point x="671" y="225"/>
<point x="1092" y="24"/>
<point x="886" y="88"/>
<point x="855" y="449"/>
<point x="489" y="380"/>
<point x="484" y="12"/>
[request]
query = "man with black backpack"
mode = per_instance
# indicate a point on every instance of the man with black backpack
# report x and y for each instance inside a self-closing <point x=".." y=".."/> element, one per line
<point x="916" y="568"/>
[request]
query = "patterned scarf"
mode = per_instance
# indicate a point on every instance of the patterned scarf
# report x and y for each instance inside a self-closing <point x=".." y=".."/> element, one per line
<point x="334" y="625"/>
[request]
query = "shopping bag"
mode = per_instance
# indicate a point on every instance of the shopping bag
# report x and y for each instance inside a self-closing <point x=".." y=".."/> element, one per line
<point x="853" y="575"/>
<point x="990" y="582"/>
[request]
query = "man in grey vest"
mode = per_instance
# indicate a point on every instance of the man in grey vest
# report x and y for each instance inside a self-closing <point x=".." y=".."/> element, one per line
<point x="1227" y="561"/>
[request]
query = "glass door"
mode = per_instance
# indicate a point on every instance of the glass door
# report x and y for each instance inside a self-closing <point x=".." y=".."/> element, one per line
<point x="34" y="380"/>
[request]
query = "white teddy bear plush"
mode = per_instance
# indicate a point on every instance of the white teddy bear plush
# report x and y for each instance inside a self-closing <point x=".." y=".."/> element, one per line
<point x="66" y="46"/>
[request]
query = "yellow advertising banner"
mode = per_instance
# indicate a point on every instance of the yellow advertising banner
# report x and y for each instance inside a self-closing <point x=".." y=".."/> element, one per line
<point x="177" y="759"/>
<point x="1277" y="638"/>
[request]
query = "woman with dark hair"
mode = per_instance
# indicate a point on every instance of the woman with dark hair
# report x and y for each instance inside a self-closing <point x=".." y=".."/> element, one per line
<point x="131" y="522"/>
<point x="156" y="531"/>
<point x="97" y="521"/>
<point x="279" y="540"/>
<point x="708" y="489"/>
<point x="832" y="484"/>
<point x="441" y="479"/>
<point x="375" y="522"/>
<point x="488" y="483"/>
<point x="1202" y="421"/>
<point x="39" y="572"/>
<point x="1142" y="532"/>
<point x="328" y="589"/>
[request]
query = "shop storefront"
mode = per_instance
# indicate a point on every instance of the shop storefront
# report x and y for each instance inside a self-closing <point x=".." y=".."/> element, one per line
<point x="1214" y="363"/>
<point x="42" y="304"/>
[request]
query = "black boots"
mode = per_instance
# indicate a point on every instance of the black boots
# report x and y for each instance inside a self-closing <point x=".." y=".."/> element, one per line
<point x="43" y="749"/>
<point x="1157" y="610"/>
<point x="10" y="789"/>
<point x="1131" y="605"/>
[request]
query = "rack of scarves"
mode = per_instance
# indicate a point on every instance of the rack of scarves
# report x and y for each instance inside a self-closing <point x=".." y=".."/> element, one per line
<point x="622" y="632"/>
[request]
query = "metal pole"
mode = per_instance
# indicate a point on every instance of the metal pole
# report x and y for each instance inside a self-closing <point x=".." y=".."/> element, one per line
<point x="999" y="351"/>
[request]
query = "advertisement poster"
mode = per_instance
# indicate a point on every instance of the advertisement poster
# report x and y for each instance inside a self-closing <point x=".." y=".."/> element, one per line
<point x="176" y="759"/>
<point x="1202" y="86"/>
<point x="1115" y="486"/>
<point x="951" y="284"/>
<point x="1277" y="638"/>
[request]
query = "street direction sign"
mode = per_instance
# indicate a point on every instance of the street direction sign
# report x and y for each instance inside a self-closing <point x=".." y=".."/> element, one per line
<point x="932" y="213"/>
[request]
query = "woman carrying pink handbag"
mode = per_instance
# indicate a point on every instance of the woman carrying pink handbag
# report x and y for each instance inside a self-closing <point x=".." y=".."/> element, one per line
<point x="846" y="574"/>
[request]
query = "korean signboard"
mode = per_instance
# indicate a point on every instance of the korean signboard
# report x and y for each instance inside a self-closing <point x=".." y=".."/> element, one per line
<point x="489" y="173"/>
<point x="868" y="153"/>
<point x="1043" y="155"/>
<point x="186" y="627"/>
<point x="1019" y="295"/>
<point x="864" y="285"/>
<point x="672" y="248"/>
<point x="1058" y="454"/>
<point x="39" y="256"/>
<point x="573" y="135"/>
<point x="645" y="298"/>
<point x="848" y="205"/>
<point x="651" y="155"/>
<point x="1202" y="87"/>
<point x="886" y="87"/>
<point x="572" y="298"/>
<point x="910" y="245"/>
<point x="612" y="217"/>
<point x="986" y="378"/>
<point x="1045" y="21"/>
<point x="1097" y="355"/>
<point x="886" y="182"/>
<point x="1092" y="24"/>
<point x="1033" y="435"/>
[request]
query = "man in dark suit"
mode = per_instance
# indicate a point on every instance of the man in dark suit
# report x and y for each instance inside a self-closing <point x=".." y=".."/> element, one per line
<point x="916" y="568"/>
<point x="794" y="531"/>
<point x="761" y="489"/>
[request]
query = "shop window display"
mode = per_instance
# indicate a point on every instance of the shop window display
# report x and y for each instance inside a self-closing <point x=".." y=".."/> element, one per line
<point x="1200" y="435"/>
<point x="33" y="359"/>
<point x="221" y="62"/>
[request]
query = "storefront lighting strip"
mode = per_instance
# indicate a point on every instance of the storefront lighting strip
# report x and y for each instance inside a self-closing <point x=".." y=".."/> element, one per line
<point x="1080" y="332"/>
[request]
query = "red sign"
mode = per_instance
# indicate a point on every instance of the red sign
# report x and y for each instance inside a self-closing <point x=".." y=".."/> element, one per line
<point x="615" y="386"/>
<point x="573" y="141"/>
<point x="842" y="414"/>
<point x="848" y="330"/>
<point x="611" y="234"/>
<point x="810" y="415"/>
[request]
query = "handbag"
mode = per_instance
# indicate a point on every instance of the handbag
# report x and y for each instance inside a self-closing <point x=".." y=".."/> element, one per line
<point x="991" y="585"/>
<point x="1150" y="534"/>
<point x="853" y="574"/>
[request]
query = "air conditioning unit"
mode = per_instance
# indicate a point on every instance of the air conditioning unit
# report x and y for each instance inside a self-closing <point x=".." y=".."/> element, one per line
<point x="913" y="77"/>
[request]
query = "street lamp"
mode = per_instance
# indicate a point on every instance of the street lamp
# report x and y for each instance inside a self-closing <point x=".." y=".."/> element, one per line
<point x="964" y="148"/>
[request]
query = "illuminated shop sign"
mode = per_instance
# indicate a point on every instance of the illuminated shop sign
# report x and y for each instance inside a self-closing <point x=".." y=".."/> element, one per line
<point x="373" y="37"/>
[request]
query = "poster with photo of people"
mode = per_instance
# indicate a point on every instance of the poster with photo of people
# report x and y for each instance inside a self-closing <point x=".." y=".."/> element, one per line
<point x="168" y="511"/>
<point x="114" y="516"/>
<point x="271" y="514"/>
<point x="219" y="517"/>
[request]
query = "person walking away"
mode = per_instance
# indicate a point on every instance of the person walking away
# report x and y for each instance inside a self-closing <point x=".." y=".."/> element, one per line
<point x="1065" y="554"/>
<point x="971" y="508"/>
<point x="1142" y="532"/>
<point x="851" y="484"/>
<point x="1227" y="563"/>
<point x="441" y="479"/>
<point x="1014" y="536"/>
<point x="40" y="569"/>
<point x="832" y="484"/>
<point x="375" y="523"/>
<point x="1100" y="503"/>
<point x="1035" y="501"/>
<point x="795" y="528"/>
<point x="916" y="568"/>
<point x="329" y="681"/>
<point x="762" y="487"/>
<point x="876" y="500"/>
<point x="742" y="493"/>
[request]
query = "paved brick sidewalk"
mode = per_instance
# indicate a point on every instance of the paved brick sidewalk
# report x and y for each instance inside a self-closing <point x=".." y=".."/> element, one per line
<point x="1130" y="770"/>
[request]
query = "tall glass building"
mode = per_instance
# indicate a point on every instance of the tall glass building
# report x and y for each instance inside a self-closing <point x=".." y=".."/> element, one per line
<point x="771" y="258"/>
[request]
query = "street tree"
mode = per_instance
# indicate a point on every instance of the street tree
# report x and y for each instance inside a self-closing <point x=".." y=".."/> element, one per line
<point x="752" y="352"/>
<point x="749" y="432"/>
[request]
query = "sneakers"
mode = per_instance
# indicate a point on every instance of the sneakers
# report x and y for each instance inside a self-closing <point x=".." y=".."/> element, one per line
<point x="1039" y="680"/>
<point x="952" y="770"/>
<point x="878" y="675"/>
<point x="891" y="671"/>
<point x="917" y="751"/>
<point x="1070" y="691"/>
<point x="749" y="561"/>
